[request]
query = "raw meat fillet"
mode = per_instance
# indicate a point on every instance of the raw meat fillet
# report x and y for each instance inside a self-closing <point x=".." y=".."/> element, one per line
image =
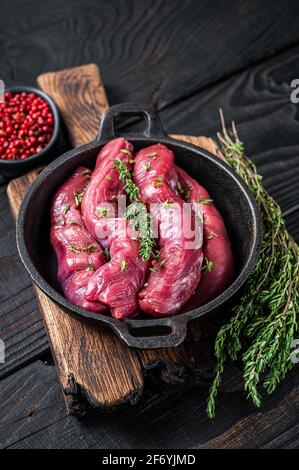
<point x="74" y="288"/>
<point x="217" y="248"/>
<point x="176" y="275"/>
<point x="99" y="204"/>
<point x="77" y="253"/>
<point x="75" y="249"/>
<point x="117" y="283"/>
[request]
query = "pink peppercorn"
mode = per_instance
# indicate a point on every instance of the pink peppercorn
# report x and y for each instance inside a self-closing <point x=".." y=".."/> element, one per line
<point x="26" y="125"/>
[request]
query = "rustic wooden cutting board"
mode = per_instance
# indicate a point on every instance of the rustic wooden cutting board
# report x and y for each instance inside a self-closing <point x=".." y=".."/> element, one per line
<point x="95" y="368"/>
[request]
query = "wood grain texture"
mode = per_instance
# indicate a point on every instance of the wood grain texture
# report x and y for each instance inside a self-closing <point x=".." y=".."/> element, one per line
<point x="156" y="52"/>
<point x="204" y="142"/>
<point x="81" y="98"/>
<point x="258" y="100"/>
<point x="174" y="420"/>
<point x="95" y="368"/>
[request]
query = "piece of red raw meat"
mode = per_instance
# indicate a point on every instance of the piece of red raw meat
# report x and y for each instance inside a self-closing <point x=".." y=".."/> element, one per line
<point x="217" y="248"/>
<point x="117" y="283"/>
<point x="77" y="253"/>
<point x="74" y="288"/>
<point x="176" y="275"/>
<point x="100" y="201"/>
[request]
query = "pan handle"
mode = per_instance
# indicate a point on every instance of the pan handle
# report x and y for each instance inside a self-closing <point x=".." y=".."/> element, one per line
<point x="153" y="126"/>
<point x="153" y="334"/>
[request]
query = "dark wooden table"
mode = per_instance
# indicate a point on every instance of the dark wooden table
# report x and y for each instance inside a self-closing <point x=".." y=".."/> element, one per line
<point x="187" y="58"/>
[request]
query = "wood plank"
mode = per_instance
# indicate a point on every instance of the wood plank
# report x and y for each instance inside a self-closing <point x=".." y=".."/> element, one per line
<point x="292" y="224"/>
<point x="258" y="99"/>
<point x="81" y="98"/>
<point x="156" y="52"/>
<point x="32" y="415"/>
<point x="256" y="435"/>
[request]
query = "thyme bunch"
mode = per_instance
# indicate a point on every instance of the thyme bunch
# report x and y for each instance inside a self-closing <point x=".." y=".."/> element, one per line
<point x="266" y="319"/>
<point x="137" y="212"/>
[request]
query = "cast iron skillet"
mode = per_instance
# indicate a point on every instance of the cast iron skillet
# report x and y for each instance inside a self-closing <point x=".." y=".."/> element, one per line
<point x="229" y="193"/>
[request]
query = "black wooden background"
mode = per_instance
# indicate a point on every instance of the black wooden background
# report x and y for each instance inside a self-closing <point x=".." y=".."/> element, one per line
<point x="187" y="58"/>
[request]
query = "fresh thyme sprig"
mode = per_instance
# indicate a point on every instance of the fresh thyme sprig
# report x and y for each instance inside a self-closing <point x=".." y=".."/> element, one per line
<point x="125" y="175"/>
<point x="136" y="212"/>
<point x="142" y="222"/>
<point x="267" y="314"/>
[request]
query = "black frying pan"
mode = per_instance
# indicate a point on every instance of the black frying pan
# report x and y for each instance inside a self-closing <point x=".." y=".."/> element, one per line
<point x="228" y="191"/>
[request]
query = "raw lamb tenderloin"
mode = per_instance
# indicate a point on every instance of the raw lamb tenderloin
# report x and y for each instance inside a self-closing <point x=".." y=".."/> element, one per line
<point x="117" y="283"/>
<point x="177" y="273"/>
<point x="77" y="253"/>
<point x="100" y="201"/>
<point x="217" y="250"/>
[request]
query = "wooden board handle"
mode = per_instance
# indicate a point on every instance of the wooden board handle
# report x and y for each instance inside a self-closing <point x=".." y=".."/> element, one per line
<point x="81" y="98"/>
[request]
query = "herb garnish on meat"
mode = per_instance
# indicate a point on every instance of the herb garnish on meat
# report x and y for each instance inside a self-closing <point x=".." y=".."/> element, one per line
<point x="136" y="212"/>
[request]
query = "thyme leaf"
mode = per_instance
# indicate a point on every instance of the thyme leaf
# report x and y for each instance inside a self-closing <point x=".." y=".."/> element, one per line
<point x="75" y="249"/>
<point x="66" y="208"/>
<point x="86" y="173"/>
<point x="158" y="181"/>
<point x="183" y="190"/>
<point x="208" y="266"/>
<point x="146" y="166"/>
<point x="102" y="211"/>
<point x="202" y="200"/>
<point x="152" y="154"/>
<point x="123" y="265"/>
<point x="126" y="151"/>
<point x="90" y="249"/>
<point x="154" y="269"/>
<point x="212" y="235"/>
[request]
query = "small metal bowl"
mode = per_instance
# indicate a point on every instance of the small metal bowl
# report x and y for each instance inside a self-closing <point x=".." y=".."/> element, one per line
<point x="14" y="168"/>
